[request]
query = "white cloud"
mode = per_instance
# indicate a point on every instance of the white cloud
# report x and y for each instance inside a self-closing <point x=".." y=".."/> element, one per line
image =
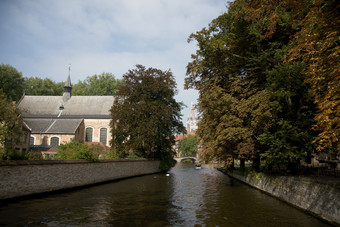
<point x="40" y="38"/>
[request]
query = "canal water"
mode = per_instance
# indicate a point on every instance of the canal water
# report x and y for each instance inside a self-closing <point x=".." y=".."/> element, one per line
<point x="184" y="197"/>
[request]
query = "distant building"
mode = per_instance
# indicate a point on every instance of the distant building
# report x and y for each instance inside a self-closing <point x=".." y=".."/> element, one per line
<point x="192" y="121"/>
<point x="175" y="147"/>
<point x="56" y="120"/>
<point x="191" y="126"/>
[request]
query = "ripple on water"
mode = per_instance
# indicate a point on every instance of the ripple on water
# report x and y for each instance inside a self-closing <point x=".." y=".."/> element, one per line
<point x="187" y="197"/>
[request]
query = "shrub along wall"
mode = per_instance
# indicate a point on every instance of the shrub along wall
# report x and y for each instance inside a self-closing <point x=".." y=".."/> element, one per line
<point x="21" y="178"/>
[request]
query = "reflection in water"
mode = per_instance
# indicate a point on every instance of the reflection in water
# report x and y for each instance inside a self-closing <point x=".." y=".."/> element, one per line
<point x="187" y="194"/>
<point x="188" y="197"/>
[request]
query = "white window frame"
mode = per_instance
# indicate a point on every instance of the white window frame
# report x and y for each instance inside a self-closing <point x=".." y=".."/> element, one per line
<point x="107" y="134"/>
<point x="34" y="139"/>
<point x="57" y="137"/>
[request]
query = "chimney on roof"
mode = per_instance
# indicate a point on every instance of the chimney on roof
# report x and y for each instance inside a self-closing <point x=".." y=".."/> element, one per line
<point x="67" y="87"/>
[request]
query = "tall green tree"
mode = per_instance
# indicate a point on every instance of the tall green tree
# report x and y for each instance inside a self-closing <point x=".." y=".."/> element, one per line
<point x="290" y="136"/>
<point x="11" y="82"/>
<point x="228" y="71"/>
<point x="39" y="86"/>
<point x="104" y="84"/>
<point x="189" y="145"/>
<point x="253" y="101"/>
<point x="145" y="115"/>
<point x="10" y="127"/>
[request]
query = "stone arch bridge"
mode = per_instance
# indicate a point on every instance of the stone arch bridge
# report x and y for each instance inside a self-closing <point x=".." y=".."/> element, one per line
<point x="195" y="159"/>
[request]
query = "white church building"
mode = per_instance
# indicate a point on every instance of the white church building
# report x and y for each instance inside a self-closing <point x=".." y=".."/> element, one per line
<point x="192" y="121"/>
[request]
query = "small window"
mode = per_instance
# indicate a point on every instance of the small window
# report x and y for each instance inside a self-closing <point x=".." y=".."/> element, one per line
<point x="103" y="135"/>
<point x="54" y="141"/>
<point x="88" y="134"/>
<point x="31" y="140"/>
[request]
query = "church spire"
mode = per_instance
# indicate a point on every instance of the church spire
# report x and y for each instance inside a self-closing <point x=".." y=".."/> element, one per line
<point x="192" y="113"/>
<point x="68" y="81"/>
<point x="192" y="121"/>
<point x="67" y="86"/>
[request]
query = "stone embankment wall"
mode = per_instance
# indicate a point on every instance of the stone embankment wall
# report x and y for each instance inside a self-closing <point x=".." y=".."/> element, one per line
<point x="21" y="178"/>
<point x="319" y="199"/>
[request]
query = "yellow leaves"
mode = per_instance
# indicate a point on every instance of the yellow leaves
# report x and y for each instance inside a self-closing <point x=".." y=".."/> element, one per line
<point x="318" y="46"/>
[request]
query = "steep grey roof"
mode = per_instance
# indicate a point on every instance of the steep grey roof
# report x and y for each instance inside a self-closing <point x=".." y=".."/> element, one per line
<point x="76" y="106"/>
<point x="68" y="81"/>
<point x="60" y="126"/>
<point x="40" y="105"/>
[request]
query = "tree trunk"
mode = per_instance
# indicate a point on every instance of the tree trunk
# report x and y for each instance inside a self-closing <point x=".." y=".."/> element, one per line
<point x="242" y="164"/>
<point x="292" y="166"/>
<point x="230" y="162"/>
<point x="256" y="163"/>
<point x="308" y="157"/>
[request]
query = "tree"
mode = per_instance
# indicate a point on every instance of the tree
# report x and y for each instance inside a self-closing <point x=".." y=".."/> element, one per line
<point x="11" y="82"/>
<point x="10" y="127"/>
<point x="104" y="84"/>
<point x="318" y="46"/>
<point x="79" y="88"/>
<point x="228" y="70"/>
<point x="189" y="145"/>
<point x="145" y="115"/>
<point x="253" y="101"/>
<point x="39" y="86"/>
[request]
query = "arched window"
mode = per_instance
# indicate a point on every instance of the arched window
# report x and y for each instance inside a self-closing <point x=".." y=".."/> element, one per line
<point x="54" y="141"/>
<point x="103" y="135"/>
<point x="88" y="134"/>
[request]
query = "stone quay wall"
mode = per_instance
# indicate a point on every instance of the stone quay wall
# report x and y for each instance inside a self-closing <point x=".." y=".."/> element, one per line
<point x="22" y="178"/>
<point x="319" y="199"/>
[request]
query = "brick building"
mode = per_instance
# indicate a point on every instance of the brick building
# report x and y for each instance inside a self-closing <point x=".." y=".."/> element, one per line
<point x="56" y="120"/>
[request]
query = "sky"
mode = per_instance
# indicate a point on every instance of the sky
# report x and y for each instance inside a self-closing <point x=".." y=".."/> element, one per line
<point x="41" y="38"/>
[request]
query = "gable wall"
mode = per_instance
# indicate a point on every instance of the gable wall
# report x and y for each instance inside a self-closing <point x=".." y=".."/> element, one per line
<point x="97" y="124"/>
<point x="80" y="132"/>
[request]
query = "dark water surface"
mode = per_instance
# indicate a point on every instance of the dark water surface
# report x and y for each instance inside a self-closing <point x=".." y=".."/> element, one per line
<point x="187" y="197"/>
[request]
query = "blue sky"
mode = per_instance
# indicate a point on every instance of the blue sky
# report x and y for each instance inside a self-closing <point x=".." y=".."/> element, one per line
<point x="42" y="37"/>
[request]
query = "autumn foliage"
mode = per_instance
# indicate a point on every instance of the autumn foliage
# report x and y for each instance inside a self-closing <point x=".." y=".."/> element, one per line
<point x="268" y="77"/>
<point x="318" y="46"/>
